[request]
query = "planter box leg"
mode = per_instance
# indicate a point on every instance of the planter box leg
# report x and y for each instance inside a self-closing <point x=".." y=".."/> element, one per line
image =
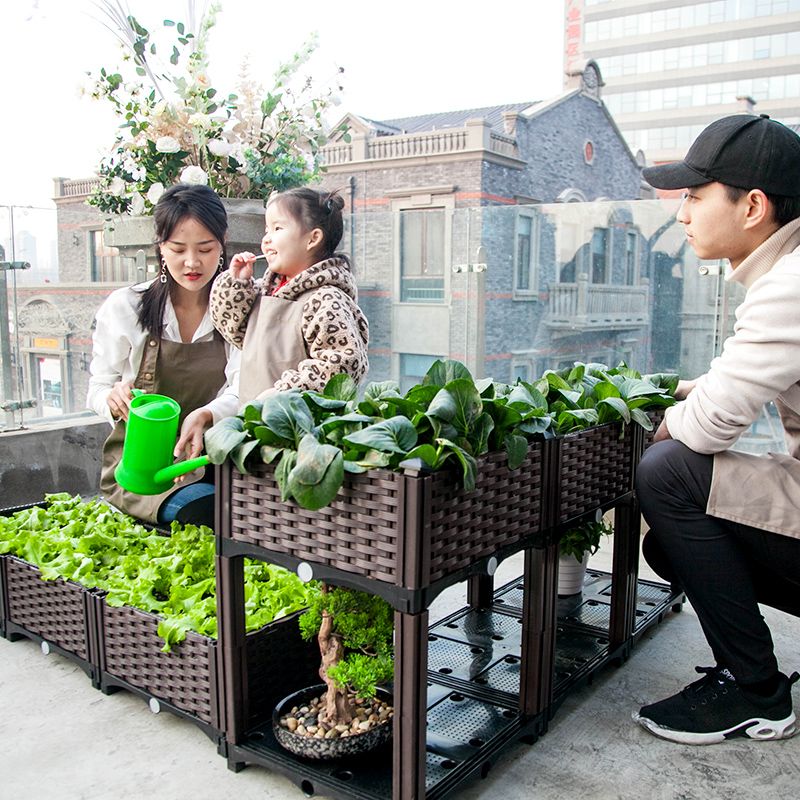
<point x="480" y="591"/>
<point x="232" y="666"/>
<point x="539" y="607"/>
<point x="410" y="706"/>
<point x="625" y="572"/>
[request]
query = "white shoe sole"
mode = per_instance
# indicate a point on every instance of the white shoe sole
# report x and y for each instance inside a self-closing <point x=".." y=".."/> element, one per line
<point x="761" y="729"/>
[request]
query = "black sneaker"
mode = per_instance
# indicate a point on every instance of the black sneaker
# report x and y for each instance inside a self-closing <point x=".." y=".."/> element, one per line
<point x="714" y="709"/>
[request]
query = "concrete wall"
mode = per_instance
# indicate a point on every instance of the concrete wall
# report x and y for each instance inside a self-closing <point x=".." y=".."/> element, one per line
<point x="57" y="457"/>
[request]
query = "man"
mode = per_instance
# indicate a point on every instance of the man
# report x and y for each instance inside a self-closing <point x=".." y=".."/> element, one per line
<point x="725" y="526"/>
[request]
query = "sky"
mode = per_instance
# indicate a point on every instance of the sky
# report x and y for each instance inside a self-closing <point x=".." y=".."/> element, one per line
<point x="399" y="59"/>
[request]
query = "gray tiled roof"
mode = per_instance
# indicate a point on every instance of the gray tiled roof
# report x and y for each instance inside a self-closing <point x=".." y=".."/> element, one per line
<point x="446" y="119"/>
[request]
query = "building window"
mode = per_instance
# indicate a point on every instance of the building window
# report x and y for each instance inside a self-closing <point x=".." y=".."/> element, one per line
<point x="520" y="371"/>
<point x="422" y="255"/>
<point x="413" y="368"/>
<point x="599" y="256"/>
<point x="527" y="254"/>
<point x="106" y="263"/>
<point x="631" y="248"/>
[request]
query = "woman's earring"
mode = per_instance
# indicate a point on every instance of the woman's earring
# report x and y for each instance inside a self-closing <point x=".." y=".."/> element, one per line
<point x="163" y="276"/>
<point x="221" y="262"/>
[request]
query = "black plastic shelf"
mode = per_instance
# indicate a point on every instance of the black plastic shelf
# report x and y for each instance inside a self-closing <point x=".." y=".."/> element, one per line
<point x="474" y="660"/>
<point x="465" y="735"/>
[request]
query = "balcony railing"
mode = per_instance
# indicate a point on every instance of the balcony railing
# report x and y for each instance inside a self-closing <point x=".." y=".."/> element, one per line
<point x="475" y="135"/>
<point x="584" y="305"/>
<point x="75" y="188"/>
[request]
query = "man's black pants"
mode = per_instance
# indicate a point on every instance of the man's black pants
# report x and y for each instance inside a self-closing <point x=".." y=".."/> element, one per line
<point x="725" y="568"/>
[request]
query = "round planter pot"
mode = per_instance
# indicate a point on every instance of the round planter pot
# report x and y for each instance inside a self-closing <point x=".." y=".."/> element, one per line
<point x="571" y="574"/>
<point x="319" y="749"/>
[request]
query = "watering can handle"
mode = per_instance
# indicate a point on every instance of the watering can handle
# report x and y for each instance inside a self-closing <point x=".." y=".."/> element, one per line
<point x="136" y="392"/>
<point x="181" y="468"/>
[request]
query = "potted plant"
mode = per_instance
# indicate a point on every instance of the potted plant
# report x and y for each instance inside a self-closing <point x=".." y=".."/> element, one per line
<point x="349" y="713"/>
<point x="574" y="548"/>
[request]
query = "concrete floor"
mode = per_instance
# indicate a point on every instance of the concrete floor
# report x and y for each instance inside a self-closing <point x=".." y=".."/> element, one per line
<point x="63" y="739"/>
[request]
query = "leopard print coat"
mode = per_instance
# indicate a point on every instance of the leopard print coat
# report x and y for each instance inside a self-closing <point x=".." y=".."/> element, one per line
<point x="335" y="330"/>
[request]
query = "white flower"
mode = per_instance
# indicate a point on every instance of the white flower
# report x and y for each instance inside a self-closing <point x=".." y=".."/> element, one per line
<point x="154" y="192"/>
<point x="219" y="147"/>
<point x="167" y="144"/>
<point x="117" y="186"/>
<point x="200" y="121"/>
<point x="158" y="109"/>
<point x="137" y="204"/>
<point x="193" y="174"/>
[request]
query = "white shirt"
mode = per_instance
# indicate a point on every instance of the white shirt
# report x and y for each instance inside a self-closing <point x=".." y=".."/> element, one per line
<point x="119" y="342"/>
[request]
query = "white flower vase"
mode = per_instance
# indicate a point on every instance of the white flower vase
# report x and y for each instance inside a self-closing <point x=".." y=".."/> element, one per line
<point x="571" y="574"/>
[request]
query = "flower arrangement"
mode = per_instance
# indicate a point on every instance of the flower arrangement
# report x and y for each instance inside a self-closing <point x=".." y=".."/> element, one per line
<point x="175" y="126"/>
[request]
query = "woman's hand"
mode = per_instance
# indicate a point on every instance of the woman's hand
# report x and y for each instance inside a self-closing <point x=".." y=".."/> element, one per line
<point x="242" y="266"/>
<point x="119" y="399"/>
<point x="190" y="441"/>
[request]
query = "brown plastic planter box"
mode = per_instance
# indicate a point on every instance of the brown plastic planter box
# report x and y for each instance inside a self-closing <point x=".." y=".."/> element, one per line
<point x="594" y="468"/>
<point x="58" y="614"/>
<point x="405" y="529"/>
<point x="656" y="417"/>
<point x="186" y="681"/>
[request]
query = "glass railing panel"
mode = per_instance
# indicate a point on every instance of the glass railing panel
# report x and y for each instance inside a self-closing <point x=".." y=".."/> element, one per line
<point x="509" y="290"/>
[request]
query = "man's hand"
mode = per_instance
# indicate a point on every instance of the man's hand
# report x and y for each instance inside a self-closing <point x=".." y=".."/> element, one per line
<point x="662" y="433"/>
<point x="684" y="389"/>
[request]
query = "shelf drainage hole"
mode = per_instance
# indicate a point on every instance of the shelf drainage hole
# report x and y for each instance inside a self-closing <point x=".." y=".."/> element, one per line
<point x="476" y="650"/>
<point x="448" y="764"/>
<point x="451" y="625"/>
<point x="343" y="775"/>
<point x="445" y="670"/>
<point x="476" y="742"/>
<point x="497" y="637"/>
<point x="456" y="697"/>
<point x="307" y="788"/>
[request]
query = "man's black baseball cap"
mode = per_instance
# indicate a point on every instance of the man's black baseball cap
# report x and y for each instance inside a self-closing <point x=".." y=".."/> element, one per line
<point x="744" y="150"/>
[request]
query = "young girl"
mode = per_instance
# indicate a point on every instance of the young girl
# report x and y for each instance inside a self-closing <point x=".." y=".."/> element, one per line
<point x="158" y="337"/>
<point x="301" y="325"/>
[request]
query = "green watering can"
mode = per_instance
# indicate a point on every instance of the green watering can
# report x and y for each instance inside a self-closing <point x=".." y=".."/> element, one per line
<point x="147" y="464"/>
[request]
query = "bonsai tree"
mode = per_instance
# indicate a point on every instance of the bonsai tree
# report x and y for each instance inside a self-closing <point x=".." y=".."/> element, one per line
<point x="355" y="631"/>
<point x="582" y="538"/>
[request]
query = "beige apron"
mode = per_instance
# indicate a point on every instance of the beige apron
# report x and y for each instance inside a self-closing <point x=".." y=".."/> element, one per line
<point x="272" y="344"/>
<point x="192" y="374"/>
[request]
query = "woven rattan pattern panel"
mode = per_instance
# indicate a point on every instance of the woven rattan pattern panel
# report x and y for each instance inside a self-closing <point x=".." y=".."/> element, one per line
<point x="504" y="508"/>
<point x="54" y="610"/>
<point x="133" y="654"/>
<point x="358" y="533"/>
<point x="596" y="467"/>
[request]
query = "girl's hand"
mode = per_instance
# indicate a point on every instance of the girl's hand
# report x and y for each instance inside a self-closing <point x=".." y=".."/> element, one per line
<point x="242" y="266"/>
<point x="190" y="441"/>
<point x="119" y="399"/>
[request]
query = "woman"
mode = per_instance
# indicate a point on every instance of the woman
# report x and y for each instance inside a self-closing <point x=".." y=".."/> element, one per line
<point x="158" y="337"/>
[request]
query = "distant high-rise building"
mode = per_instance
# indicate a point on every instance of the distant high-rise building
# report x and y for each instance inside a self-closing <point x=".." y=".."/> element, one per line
<point x="672" y="66"/>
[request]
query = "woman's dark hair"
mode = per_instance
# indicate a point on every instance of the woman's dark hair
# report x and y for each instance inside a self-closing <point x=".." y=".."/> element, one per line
<point x="313" y="208"/>
<point x="178" y="203"/>
<point x="784" y="209"/>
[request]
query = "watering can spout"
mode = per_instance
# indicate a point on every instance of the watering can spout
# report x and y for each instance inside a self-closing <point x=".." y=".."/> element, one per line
<point x="147" y="466"/>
